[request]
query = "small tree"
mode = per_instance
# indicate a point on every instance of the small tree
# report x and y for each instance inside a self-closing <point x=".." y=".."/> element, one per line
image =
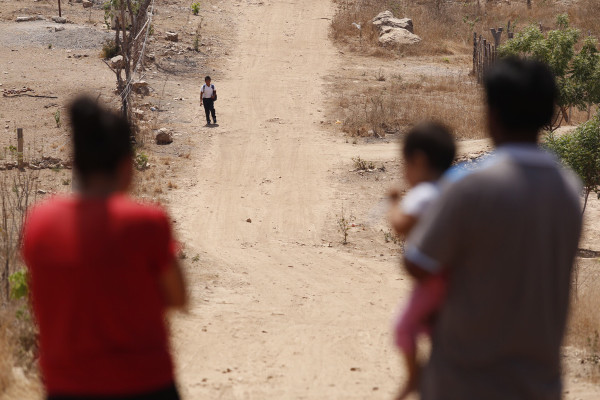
<point x="130" y="19"/>
<point x="581" y="152"/>
<point x="576" y="74"/>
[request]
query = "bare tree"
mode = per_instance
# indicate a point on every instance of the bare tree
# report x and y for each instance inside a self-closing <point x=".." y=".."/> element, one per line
<point x="131" y="20"/>
<point x="18" y="191"/>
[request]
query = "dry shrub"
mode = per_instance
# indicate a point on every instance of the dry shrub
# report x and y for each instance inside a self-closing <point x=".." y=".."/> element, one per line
<point x="584" y="324"/>
<point x="18" y="346"/>
<point x="455" y="100"/>
<point x="447" y="26"/>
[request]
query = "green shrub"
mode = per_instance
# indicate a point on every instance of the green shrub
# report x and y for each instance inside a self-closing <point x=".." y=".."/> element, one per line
<point x="141" y="161"/>
<point x="109" y="49"/>
<point x="196" y="8"/>
<point x="19" y="286"/>
<point x="580" y="151"/>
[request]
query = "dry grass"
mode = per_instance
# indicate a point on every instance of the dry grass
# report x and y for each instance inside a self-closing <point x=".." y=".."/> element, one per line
<point x="584" y="324"/>
<point x="447" y="27"/>
<point x="396" y="105"/>
<point x="18" y="347"/>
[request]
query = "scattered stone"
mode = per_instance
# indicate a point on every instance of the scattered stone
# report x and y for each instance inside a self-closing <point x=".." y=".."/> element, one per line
<point x="25" y="19"/>
<point x="41" y="191"/>
<point x="59" y="20"/>
<point x="172" y="36"/>
<point x="164" y="137"/>
<point x="117" y="62"/>
<point x="87" y="4"/>
<point x="141" y="87"/>
<point x="249" y="220"/>
<point x="59" y="28"/>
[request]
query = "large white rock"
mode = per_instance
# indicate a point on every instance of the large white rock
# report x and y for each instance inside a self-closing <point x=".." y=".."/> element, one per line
<point x="117" y="62"/>
<point x="386" y="18"/>
<point x="395" y="31"/>
<point x="398" y="36"/>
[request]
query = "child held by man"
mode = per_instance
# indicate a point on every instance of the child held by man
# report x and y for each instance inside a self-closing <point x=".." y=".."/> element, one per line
<point x="428" y="152"/>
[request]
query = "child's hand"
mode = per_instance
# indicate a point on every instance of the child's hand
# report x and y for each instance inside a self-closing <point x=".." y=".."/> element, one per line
<point x="394" y="195"/>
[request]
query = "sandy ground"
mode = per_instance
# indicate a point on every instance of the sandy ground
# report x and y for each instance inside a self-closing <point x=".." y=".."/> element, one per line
<point x="280" y="308"/>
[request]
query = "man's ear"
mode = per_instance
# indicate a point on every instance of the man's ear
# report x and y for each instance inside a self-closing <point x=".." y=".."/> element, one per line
<point x="493" y="125"/>
<point x="125" y="174"/>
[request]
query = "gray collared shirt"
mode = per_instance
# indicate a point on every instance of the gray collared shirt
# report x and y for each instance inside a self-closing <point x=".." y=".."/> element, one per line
<point x="507" y="234"/>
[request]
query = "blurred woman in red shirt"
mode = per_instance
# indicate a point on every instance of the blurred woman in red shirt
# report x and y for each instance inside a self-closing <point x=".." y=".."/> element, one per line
<point x="103" y="272"/>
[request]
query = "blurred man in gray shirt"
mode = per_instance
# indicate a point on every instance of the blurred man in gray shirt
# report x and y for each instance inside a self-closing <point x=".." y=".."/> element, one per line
<point x="506" y="236"/>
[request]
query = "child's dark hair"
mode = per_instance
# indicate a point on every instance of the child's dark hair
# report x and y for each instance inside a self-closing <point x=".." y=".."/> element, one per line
<point x="101" y="138"/>
<point x="207" y="78"/>
<point x="435" y="141"/>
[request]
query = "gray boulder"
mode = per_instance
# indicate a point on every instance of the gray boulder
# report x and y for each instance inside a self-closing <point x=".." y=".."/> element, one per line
<point x="398" y="36"/>
<point x="395" y="31"/>
<point x="59" y="20"/>
<point x="117" y="62"/>
<point x="164" y="137"/>
<point x="386" y="18"/>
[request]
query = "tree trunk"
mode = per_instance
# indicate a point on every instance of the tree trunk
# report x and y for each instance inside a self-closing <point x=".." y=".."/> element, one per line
<point x="585" y="200"/>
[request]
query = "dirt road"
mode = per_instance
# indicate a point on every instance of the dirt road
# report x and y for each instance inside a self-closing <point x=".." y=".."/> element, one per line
<point x="277" y="313"/>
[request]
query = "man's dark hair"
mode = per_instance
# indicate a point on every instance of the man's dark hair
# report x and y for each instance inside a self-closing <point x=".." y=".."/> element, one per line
<point x="522" y="93"/>
<point x="435" y="141"/>
<point x="207" y="78"/>
<point x="101" y="138"/>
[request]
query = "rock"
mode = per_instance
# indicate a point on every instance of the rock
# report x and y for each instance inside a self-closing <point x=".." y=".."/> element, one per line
<point x="87" y="4"/>
<point x="117" y="62"/>
<point x="172" y="36"/>
<point x="386" y="18"/>
<point x="25" y="19"/>
<point x="40" y="191"/>
<point x="395" y="31"/>
<point x="141" y="87"/>
<point x="164" y="137"/>
<point x="59" y="20"/>
<point x="59" y="28"/>
<point x="249" y="220"/>
<point x="398" y="36"/>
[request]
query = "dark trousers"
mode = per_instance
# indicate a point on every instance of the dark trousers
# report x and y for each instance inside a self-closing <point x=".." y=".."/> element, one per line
<point x="168" y="393"/>
<point x="209" y="108"/>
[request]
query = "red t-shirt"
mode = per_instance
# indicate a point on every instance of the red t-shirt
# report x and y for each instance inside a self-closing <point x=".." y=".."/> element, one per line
<point x="94" y="266"/>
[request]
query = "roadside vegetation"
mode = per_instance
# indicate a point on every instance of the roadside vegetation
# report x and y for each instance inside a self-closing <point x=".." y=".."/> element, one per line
<point x="392" y="102"/>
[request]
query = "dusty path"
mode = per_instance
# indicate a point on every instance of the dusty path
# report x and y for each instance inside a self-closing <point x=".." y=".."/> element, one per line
<point x="277" y="314"/>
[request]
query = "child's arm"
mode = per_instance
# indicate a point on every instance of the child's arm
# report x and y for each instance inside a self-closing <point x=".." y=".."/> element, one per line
<point x="401" y="222"/>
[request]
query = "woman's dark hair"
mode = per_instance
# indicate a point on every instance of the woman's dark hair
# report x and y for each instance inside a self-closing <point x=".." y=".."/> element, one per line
<point x="435" y="141"/>
<point x="522" y="92"/>
<point x="101" y="138"/>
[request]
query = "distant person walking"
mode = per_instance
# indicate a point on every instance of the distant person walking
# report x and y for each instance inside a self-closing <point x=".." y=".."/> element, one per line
<point x="103" y="272"/>
<point x="208" y="96"/>
<point x="507" y="235"/>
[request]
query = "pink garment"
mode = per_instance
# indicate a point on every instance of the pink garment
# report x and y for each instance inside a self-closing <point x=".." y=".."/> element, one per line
<point x="425" y="300"/>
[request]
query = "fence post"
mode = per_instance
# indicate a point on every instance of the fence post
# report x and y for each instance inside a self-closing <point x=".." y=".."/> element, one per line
<point x="20" y="148"/>
<point x="497" y="35"/>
